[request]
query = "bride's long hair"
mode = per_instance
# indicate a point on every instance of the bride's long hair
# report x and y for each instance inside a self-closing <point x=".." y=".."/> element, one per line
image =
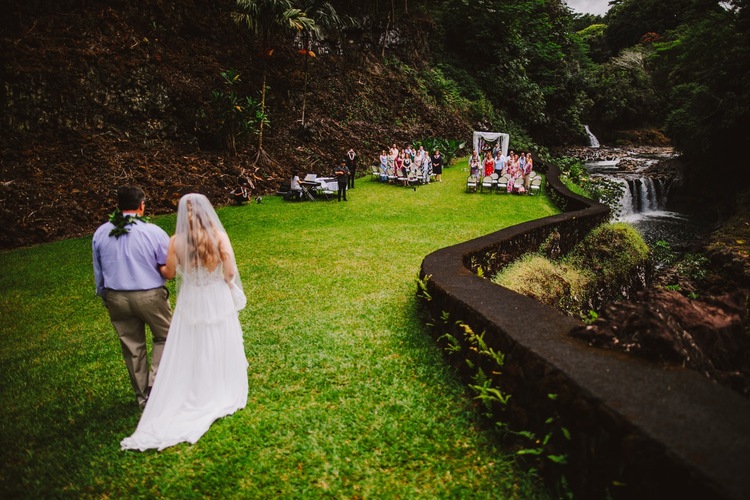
<point x="198" y="239"/>
<point x="201" y="237"/>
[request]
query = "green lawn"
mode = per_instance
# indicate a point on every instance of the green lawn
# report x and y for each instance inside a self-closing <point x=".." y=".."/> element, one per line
<point x="349" y="397"/>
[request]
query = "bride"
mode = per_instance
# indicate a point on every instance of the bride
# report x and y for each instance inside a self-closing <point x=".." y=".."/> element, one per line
<point x="203" y="371"/>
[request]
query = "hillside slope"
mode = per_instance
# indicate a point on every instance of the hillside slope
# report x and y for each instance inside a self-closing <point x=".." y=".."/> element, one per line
<point x="98" y="94"/>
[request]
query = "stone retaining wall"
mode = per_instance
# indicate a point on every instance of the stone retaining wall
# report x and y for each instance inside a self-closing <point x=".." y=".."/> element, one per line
<point x="637" y="429"/>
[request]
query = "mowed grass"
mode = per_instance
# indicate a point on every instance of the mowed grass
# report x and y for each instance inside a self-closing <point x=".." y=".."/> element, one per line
<point x="349" y="397"/>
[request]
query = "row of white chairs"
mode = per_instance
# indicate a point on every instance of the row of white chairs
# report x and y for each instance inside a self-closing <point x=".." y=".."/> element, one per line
<point x="499" y="183"/>
<point x="413" y="177"/>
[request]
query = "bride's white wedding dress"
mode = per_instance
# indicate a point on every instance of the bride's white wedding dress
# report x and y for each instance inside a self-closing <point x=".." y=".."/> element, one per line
<point x="203" y="371"/>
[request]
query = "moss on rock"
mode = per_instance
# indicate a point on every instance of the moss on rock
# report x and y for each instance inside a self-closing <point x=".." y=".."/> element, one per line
<point x="609" y="263"/>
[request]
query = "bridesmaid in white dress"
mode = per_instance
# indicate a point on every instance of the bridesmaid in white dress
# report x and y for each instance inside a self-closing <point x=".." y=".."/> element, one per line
<point x="203" y="371"/>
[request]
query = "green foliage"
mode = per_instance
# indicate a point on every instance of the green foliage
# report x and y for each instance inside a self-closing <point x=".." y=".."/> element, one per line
<point x="542" y="447"/>
<point x="449" y="148"/>
<point x="597" y="267"/>
<point x="693" y="266"/>
<point x="662" y="254"/>
<point x="622" y="93"/>
<point x="698" y="62"/>
<point x="235" y="114"/>
<point x="422" y="286"/>
<point x="613" y="252"/>
<point x="524" y="58"/>
<point x="628" y="20"/>
<point x="591" y="317"/>
<point x="444" y="90"/>
<point x="599" y="188"/>
<point x="492" y="399"/>
<point x="557" y="285"/>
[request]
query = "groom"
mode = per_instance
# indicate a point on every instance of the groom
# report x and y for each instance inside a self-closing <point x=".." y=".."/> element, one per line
<point x="128" y="252"/>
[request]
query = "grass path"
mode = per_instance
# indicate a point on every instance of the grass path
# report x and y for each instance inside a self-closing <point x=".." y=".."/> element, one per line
<point x="349" y="397"/>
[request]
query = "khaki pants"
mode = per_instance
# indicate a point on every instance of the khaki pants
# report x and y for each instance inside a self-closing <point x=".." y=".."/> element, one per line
<point x="130" y="312"/>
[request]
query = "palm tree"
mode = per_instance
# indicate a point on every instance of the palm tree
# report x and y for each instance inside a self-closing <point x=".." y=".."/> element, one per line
<point x="326" y="21"/>
<point x="268" y="20"/>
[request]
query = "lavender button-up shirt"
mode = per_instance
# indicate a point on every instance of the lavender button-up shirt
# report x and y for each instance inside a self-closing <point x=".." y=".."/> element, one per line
<point x="130" y="262"/>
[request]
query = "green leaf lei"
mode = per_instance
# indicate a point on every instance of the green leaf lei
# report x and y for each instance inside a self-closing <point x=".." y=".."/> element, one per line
<point x="122" y="221"/>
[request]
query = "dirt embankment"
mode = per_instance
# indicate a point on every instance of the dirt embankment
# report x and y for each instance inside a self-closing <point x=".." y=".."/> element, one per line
<point x="99" y="94"/>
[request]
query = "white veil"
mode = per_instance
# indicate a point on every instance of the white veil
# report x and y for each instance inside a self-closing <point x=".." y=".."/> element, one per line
<point x="201" y="244"/>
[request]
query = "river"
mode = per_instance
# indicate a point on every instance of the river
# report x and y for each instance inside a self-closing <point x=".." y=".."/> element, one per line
<point x="645" y="197"/>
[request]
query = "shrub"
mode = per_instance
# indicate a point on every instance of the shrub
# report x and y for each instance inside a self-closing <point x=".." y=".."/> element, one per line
<point x="609" y="263"/>
<point x="554" y="284"/>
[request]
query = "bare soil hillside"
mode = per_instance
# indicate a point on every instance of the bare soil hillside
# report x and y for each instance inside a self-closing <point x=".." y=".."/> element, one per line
<point x="98" y="94"/>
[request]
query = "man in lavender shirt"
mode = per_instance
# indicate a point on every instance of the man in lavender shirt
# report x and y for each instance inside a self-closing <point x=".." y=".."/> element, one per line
<point x="127" y="254"/>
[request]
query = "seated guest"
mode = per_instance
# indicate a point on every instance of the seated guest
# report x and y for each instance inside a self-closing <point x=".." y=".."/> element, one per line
<point x="296" y="188"/>
<point x="242" y="192"/>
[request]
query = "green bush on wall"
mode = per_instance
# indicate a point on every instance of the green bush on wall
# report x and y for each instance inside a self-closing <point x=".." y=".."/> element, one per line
<point x="610" y="261"/>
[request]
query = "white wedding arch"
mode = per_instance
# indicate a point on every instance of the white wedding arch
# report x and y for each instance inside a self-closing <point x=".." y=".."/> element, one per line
<point x="481" y="138"/>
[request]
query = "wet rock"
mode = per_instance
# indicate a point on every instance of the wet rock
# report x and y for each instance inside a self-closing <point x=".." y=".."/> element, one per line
<point x="666" y="327"/>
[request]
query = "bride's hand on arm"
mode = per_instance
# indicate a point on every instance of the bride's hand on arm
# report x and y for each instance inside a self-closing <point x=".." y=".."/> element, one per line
<point x="227" y="258"/>
<point x="169" y="269"/>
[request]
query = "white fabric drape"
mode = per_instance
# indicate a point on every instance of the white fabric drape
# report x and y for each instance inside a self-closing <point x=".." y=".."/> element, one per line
<point x="492" y="137"/>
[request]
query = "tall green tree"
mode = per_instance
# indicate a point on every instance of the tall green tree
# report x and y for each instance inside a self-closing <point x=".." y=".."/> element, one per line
<point x="622" y="93"/>
<point x="326" y="22"/>
<point x="269" y="21"/>
<point x="704" y="69"/>
<point x="524" y="57"/>
<point x="629" y="20"/>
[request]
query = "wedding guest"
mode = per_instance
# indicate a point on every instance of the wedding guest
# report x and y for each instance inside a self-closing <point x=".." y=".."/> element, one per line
<point x="528" y="170"/>
<point x="437" y="165"/>
<point x="342" y="176"/>
<point x="426" y="168"/>
<point x="127" y="252"/>
<point x="406" y="168"/>
<point x="500" y="163"/>
<point x="419" y="157"/>
<point x="398" y="162"/>
<point x="409" y="152"/>
<point x="351" y="163"/>
<point x="489" y="164"/>
<point x="383" y="166"/>
<point x="295" y="187"/>
<point x="474" y="165"/>
<point x="391" y="165"/>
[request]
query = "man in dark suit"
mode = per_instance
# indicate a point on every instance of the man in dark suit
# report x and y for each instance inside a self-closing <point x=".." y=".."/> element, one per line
<point x="350" y="160"/>
<point x="342" y="176"/>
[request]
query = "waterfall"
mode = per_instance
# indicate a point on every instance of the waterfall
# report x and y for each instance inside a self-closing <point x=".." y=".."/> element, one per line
<point x="644" y="191"/>
<point x="626" y="202"/>
<point x="593" y="141"/>
<point x="642" y="195"/>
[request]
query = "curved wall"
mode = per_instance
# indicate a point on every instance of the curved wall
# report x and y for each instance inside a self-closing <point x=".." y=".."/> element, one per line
<point x="637" y="429"/>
